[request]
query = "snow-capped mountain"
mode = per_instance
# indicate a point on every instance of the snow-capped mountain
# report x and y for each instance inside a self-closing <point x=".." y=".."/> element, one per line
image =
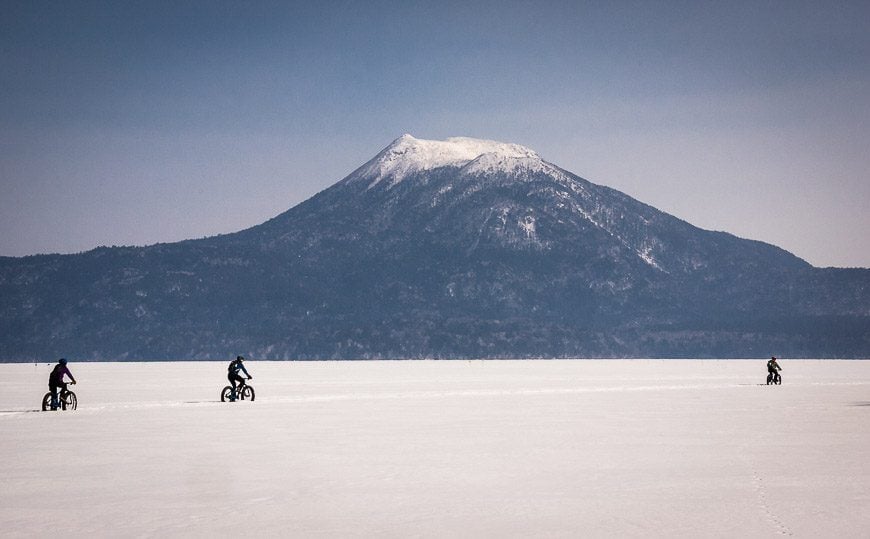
<point x="454" y="248"/>
<point x="407" y="156"/>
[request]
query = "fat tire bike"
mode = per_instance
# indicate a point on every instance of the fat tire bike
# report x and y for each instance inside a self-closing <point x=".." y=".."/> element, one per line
<point x="66" y="400"/>
<point x="243" y="392"/>
<point x="773" y="378"/>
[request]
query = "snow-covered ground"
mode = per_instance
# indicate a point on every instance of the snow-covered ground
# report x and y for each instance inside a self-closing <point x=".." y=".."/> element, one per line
<point x="441" y="449"/>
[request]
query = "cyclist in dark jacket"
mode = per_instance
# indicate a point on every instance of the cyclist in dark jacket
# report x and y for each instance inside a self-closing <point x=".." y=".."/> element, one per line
<point x="773" y="369"/>
<point x="233" y="375"/>
<point x="55" y="380"/>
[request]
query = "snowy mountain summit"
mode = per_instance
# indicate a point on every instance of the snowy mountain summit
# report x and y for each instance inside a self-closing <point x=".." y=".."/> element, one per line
<point x="460" y="248"/>
<point x="407" y="156"/>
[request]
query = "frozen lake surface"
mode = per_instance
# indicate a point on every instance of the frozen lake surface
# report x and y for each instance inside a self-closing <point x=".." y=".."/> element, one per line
<point x="441" y="449"/>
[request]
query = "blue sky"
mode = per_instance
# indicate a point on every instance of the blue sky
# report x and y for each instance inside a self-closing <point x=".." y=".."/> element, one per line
<point x="142" y="122"/>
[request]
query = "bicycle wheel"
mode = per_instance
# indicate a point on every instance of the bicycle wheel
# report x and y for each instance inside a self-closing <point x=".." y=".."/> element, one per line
<point x="69" y="401"/>
<point x="247" y="393"/>
<point x="227" y="394"/>
<point x="46" y="402"/>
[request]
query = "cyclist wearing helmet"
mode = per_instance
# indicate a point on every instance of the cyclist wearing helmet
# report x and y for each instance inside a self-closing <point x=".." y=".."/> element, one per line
<point x="773" y="369"/>
<point x="55" y="380"/>
<point x="233" y="374"/>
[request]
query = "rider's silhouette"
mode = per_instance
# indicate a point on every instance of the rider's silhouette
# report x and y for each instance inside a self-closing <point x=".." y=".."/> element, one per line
<point x="55" y="380"/>
<point x="233" y="375"/>
<point x="773" y="369"/>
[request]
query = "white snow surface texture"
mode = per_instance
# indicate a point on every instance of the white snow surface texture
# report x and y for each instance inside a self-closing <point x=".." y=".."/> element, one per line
<point x="408" y="155"/>
<point x="440" y="449"/>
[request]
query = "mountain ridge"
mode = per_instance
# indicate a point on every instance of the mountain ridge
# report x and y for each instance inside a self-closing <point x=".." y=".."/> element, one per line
<point x="443" y="259"/>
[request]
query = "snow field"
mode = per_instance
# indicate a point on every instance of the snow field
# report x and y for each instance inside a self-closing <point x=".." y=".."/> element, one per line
<point x="435" y="449"/>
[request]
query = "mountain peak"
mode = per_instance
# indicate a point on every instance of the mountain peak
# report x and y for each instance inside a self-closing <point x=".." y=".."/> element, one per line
<point x="408" y="155"/>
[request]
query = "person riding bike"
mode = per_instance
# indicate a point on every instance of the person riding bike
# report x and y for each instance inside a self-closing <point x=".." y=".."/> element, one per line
<point x="772" y="371"/>
<point x="233" y="375"/>
<point x="55" y="380"/>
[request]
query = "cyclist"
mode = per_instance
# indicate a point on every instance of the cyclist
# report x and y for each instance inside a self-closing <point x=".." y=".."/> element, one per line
<point x="773" y="369"/>
<point x="233" y="375"/>
<point x="55" y="380"/>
